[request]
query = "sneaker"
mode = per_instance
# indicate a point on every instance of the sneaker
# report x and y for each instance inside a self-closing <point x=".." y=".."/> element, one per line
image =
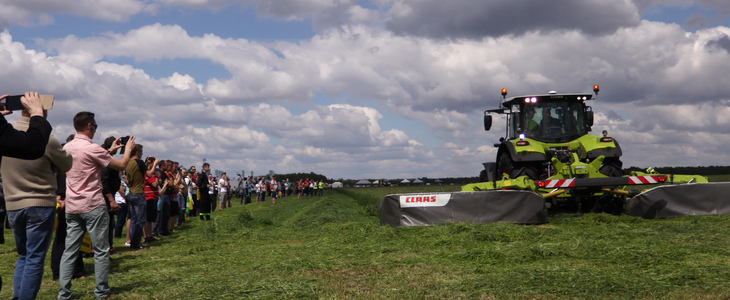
<point x="127" y="244"/>
<point x="150" y="239"/>
<point x="113" y="251"/>
<point x="140" y="247"/>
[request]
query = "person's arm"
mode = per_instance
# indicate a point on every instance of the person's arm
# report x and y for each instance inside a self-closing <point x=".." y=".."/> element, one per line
<point x="59" y="157"/>
<point x="120" y="164"/>
<point x="162" y="189"/>
<point x="151" y="170"/>
<point x="30" y="144"/>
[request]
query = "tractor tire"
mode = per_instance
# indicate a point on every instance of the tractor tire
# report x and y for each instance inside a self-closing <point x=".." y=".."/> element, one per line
<point x="505" y="165"/>
<point x="525" y="169"/>
<point x="612" y="167"/>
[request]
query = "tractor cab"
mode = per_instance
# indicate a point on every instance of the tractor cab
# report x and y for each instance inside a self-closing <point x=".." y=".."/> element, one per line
<point x="541" y="128"/>
<point x="549" y="118"/>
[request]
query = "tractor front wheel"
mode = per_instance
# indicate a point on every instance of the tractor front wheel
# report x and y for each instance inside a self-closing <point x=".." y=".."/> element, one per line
<point x="505" y="165"/>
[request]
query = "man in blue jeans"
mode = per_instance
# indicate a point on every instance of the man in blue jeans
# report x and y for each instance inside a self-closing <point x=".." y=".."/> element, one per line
<point x="136" y="171"/>
<point x="29" y="186"/>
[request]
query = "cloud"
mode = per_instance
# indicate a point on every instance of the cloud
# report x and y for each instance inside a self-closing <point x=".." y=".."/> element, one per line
<point x="476" y="19"/>
<point x="39" y="12"/>
<point x="336" y="103"/>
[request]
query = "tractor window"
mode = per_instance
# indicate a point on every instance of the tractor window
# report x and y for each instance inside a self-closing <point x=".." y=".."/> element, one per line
<point x="557" y="121"/>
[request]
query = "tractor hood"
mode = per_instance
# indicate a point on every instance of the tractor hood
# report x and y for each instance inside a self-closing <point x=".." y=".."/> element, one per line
<point x="587" y="146"/>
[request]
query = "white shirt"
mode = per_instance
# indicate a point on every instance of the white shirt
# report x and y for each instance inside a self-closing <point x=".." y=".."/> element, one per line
<point x="222" y="186"/>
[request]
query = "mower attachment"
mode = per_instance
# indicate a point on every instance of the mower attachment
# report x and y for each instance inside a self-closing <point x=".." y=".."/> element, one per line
<point x="509" y="206"/>
<point x="681" y="200"/>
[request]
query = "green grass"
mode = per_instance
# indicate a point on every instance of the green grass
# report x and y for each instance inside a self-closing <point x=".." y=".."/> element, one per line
<point x="334" y="248"/>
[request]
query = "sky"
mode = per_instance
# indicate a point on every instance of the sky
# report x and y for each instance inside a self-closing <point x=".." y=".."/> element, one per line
<point x="371" y="88"/>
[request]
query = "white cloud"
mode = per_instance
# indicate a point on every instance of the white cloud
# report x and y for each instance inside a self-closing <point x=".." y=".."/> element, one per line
<point x="40" y="12"/>
<point x="663" y="92"/>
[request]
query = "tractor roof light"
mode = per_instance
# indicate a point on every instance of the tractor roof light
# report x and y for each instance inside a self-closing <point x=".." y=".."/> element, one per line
<point x="606" y="139"/>
<point x="596" y="89"/>
<point x="504" y="93"/>
<point x="522" y="136"/>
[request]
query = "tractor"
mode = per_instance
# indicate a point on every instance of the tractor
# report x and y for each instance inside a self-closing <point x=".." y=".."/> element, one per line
<point x="547" y="137"/>
<point x="548" y="159"/>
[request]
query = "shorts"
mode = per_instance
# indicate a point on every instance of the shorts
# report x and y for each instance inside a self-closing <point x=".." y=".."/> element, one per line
<point x="174" y="208"/>
<point x="151" y="210"/>
<point x="222" y="197"/>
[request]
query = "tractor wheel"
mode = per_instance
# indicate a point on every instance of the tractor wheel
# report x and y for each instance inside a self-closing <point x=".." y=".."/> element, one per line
<point x="505" y="165"/>
<point x="612" y="167"/>
<point x="525" y="169"/>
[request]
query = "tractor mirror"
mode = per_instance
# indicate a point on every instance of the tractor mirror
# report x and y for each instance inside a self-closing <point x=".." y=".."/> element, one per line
<point x="589" y="118"/>
<point x="487" y="122"/>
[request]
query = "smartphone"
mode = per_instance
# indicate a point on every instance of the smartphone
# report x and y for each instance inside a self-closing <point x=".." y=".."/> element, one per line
<point x="13" y="102"/>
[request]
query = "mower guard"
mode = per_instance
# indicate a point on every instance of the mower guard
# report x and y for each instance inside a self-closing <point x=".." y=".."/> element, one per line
<point x="508" y="206"/>
<point x="681" y="200"/>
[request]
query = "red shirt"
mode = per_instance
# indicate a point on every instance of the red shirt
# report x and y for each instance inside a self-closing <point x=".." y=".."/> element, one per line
<point x="150" y="191"/>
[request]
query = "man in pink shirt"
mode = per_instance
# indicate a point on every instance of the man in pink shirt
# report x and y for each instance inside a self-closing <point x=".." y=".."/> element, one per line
<point x="86" y="209"/>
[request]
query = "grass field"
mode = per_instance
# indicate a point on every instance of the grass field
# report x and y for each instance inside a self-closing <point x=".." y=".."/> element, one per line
<point x="334" y="248"/>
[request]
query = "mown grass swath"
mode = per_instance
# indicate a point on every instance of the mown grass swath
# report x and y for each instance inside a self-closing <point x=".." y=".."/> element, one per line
<point x="333" y="247"/>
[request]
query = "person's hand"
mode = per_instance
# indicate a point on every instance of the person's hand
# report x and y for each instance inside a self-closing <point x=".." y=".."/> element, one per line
<point x="32" y="103"/>
<point x="4" y="111"/>
<point x="116" y="145"/>
<point x="60" y="206"/>
<point x="130" y="144"/>
<point x="114" y="207"/>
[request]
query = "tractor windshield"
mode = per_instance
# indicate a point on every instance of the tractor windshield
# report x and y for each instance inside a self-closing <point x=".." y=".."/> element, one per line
<point x="552" y="121"/>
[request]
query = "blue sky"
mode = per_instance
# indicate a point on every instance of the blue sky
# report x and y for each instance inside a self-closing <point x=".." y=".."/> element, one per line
<point x="361" y="89"/>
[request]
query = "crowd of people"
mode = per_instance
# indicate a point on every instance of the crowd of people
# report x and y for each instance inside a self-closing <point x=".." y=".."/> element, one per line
<point x="84" y="187"/>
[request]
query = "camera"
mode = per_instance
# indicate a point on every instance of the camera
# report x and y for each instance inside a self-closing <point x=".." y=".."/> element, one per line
<point x="13" y="102"/>
<point x="123" y="141"/>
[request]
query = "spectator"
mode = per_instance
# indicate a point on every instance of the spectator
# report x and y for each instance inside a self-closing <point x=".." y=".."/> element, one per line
<point x="223" y="191"/>
<point x="213" y="191"/>
<point x="120" y="197"/>
<point x="166" y="192"/>
<point x="137" y="171"/>
<point x="194" y="192"/>
<point x="151" y="195"/>
<point x="182" y="195"/>
<point x="32" y="143"/>
<point x="274" y="187"/>
<point x="204" y="186"/>
<point x="110" y="181"/>
<point x="59" y="241"/>
<point x="85" y="207"/>
<point x="192" y="188"/>
<point x="30" y="199"/>
<point x="174" y="173"/>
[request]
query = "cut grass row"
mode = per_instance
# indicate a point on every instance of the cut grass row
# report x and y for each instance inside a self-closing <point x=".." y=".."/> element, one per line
<point x="333" y="248"/>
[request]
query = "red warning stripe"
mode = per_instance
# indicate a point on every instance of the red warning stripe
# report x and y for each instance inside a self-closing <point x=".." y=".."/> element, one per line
<point x="647" y="179"/>
<point x="560" y="183"/>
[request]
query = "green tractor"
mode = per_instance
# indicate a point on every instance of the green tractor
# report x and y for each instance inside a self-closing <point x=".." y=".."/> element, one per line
<point x="547" y="137"/>
<point x="547" y="159"/>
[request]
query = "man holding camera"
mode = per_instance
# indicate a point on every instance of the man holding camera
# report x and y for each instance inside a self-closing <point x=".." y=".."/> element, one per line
<point x="136" y="171"/>
<point x="30" y="197"/>
<point x="30" y="144"/>
<point x="86" y="209"/>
